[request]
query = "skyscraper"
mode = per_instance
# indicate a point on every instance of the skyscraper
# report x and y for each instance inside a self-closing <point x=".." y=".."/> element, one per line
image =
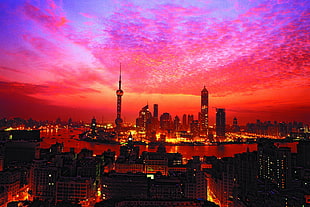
<point x="119" y="93"/>
<point x="204" y="110"/>
<point x="155" y="114"/>
<point x="166" y="121"/>
<point x="155" y="122"/>
<point x="144" y="120"/>
<point x="220" y="122"/>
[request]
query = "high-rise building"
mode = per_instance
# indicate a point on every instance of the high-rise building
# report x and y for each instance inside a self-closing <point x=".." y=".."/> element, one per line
<point x="190" y="119"/>
<point x="194" y="128"/>
<point x="235" y="126"/>
<point x="144" y="120"/>
<point x="155" y="111"/>
<point x="274" y="164"/>
<point x="166" y="121"/>
<point x="155" y="122"/>
<point x="176" y="123"/>
<point x="220" y="122"/>
<point x="119" y="93"/>
<point x="184" y="122"/>
<point x="204" y="110"/>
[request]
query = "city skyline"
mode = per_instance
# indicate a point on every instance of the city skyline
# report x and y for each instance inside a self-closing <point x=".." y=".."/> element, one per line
<point x="61" y="59"/>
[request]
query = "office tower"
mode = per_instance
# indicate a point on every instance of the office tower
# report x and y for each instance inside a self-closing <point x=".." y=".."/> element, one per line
<point x="144" y="120"/>
<point x="204" y="110"/>
<point x="176" y="123"/>
<point x="155" y="122"/>
<point x="194" y="128"/>
<point x="155" y="111"/>
<point x="119" y="93"/>
<point x="190" y="119"/>
<point x="184" y="122"/>
<point x="235" y="126"/>
<point x="166" y="121"/>
<point x="220" y="122"/>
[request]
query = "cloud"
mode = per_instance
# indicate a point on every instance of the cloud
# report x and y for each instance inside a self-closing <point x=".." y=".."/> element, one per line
<point x="51" y="18"/>
<point x="51" y="88"/>
<point x="164" y="47"/>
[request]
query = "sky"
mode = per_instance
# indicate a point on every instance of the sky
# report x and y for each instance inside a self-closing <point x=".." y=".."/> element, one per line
<point x="61" y="58"/>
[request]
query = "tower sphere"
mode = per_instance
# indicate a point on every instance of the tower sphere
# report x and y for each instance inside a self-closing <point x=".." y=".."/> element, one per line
<point x="119" y="92"/>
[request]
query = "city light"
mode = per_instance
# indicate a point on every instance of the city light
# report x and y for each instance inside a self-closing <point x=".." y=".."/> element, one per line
<point x="154" y="103"/>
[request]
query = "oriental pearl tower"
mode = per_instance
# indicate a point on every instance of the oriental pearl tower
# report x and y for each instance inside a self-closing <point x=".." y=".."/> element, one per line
<point x="119" y="93"/>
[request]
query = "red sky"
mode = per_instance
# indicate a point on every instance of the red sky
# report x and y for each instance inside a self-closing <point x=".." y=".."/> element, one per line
<point x="61" y="58"/>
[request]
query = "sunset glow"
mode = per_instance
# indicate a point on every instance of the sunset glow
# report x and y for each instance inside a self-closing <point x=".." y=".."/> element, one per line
<point x="60" y="58"/>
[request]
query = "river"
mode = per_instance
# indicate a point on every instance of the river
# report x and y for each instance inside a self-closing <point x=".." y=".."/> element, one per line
<point x="69" y="137"/>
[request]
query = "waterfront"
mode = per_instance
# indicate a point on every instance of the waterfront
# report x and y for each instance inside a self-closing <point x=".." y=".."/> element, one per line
<point x="69" y="138"/>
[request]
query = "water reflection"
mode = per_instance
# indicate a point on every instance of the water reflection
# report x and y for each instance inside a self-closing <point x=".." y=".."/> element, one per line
<point x="70" y="140"/>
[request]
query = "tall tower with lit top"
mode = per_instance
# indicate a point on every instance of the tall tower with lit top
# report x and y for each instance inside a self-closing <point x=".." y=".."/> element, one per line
<point x="119" y="93"/>
<point x="204" y="119"/>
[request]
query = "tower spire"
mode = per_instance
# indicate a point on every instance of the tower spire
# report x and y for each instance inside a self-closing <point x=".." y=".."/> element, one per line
<point x="119" y="94"/>
<point x="120" y="76"/>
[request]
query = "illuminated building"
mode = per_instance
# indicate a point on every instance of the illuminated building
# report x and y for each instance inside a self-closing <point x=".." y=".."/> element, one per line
<point x="274" y="164"/>
<point x="184" y="122"/>
<point x="155" y="122"/>
<point x="221" y="181"/>
<point x="204" y="119"/>
<point x="190" y="119"/>
<point x="144" y="123"/>
<point x="220" y="122"/>
<point x="144" y="118"/>
<point x="119" y="93"/>
<point x="166" y="122"/>
<point x="176" y="123"/>
<point x="235" y="126"/>
<point x="194" y="127"/>
<point x="155" y="111"/>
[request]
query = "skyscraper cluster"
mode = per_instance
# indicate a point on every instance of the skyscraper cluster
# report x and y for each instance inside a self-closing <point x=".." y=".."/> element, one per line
<point x="149" y="125"/>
